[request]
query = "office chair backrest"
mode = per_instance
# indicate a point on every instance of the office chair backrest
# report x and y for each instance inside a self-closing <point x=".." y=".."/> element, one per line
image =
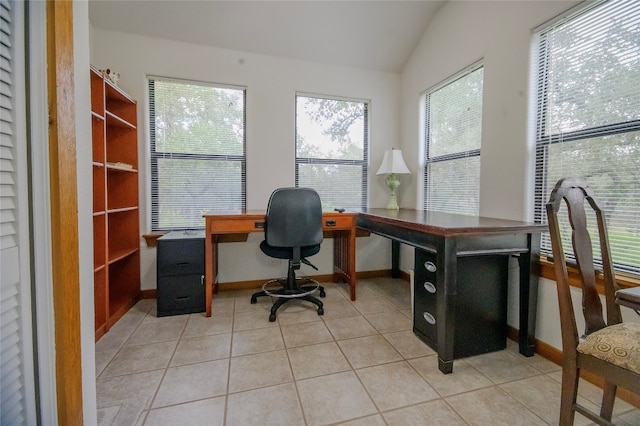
<point x="294" y="218"/>
<point x="575" y="191"/>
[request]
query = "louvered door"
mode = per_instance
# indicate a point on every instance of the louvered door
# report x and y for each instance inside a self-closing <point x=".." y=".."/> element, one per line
<point x="17" y="396"/>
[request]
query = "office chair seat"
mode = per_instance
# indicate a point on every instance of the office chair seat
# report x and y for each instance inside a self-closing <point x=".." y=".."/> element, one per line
<point x="287" y="252"/>
<point x="293" y="231"/>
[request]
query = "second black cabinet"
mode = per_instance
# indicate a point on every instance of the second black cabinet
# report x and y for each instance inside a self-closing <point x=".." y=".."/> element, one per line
<point x="480" y="303"/>
<point x="180" y="267"/>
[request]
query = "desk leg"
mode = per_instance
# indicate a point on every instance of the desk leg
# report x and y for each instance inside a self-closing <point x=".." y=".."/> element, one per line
<point x="208" y="273"/>
<point x="351" y="235"/>
<point x="528" y="295"/>
<point x="344" y="259"/>
<point x="395" y="259"/>
<point x="447" y="267"/>
<point x="210" y="270"/>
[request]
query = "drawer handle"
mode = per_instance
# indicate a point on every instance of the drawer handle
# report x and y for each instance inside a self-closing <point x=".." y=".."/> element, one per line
<point x="182" y="263"/>
<point x="430" y="287"/>
<point x="258" y="225"/>
<point x="183" y="298"/>
<point x="201" y="279"/>
<point x="430" y="266"/>
<point x="330" y="223"/>
<point x="429" y="318"/>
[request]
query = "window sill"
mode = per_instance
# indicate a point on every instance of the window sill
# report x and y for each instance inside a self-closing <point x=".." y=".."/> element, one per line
<point x="151" y="239"/>
<point x="623" y="280"/>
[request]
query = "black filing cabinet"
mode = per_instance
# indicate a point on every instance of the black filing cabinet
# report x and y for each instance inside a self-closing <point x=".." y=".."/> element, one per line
<point x="480" y="302"/>
<point x="180" y="261"/>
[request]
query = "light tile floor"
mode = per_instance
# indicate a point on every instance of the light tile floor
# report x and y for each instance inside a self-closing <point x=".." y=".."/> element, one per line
<point x="359" y="364"/>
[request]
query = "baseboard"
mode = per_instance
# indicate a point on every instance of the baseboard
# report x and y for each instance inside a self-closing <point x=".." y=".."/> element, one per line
<point x="323" y="278"/>
<point x="255" y="284"/>
<point x="148" y="294"/>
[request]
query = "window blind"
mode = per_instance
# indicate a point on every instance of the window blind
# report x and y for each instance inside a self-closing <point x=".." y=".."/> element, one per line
<point x="198" y="161"/>
<point x="453" y="132"/>
<point x="588" y="117"/>
<point x="332" y="137"/>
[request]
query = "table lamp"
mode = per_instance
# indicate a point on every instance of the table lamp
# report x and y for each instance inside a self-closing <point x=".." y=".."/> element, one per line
<point x="393" y="164"/>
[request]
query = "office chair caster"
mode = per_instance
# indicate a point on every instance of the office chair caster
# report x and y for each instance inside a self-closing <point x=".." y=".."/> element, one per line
<point x="321" y="311"/>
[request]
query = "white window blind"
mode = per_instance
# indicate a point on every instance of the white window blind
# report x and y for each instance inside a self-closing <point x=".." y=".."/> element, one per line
<point x="198" y="163"/>
<point x="332" y="137"/>
<point x="17" y="399"/>
<point x="453" y="132"/>
<point x="588" y="117"/>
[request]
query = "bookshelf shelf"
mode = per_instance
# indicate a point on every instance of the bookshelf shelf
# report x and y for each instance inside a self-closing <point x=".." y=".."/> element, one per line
<point x="115" y="202"/>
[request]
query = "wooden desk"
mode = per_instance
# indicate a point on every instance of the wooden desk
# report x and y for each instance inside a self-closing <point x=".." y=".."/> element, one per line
<point x="340" y="225"/>
<point x="448" y="238"/>
<point x="629" y="297"/>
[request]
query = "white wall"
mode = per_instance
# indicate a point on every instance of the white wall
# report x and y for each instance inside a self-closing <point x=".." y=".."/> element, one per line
<point x="498" y="33"/>
<point x="271" y="84"/>
<point x="85" y="203"/>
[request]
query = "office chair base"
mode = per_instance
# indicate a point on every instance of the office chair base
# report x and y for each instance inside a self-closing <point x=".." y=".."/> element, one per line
<point x="310" y="286"/>
<point x="302" y="291"/>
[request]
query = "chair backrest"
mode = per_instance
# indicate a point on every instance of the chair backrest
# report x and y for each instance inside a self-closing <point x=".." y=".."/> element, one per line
<point x="294" y="218"/>
<point x="574" y="191"/>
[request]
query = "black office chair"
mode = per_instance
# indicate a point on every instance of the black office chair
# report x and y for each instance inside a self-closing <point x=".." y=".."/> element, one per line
<point x="293" y="230"/>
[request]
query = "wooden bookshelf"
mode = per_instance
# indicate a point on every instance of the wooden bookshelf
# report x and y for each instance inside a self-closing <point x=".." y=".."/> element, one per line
<point x="116" y="251"/>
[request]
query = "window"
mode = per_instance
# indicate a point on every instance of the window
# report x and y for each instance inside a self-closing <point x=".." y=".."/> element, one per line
<point x="197" y="151"/>
<point x="453" y="132"/>
<point x="588" y="117"/>
<point x="332" y="149"/>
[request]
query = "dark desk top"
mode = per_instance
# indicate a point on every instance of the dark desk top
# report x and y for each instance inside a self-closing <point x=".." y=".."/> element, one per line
<point x="629" y="297"/>
<point x="447" y="224"/>
<point x="432" y="222"/>
<point x="222" y="214"/>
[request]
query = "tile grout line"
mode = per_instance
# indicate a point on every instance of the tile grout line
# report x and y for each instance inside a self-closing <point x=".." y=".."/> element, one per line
<point x="225" y="410"/>
<point x="539" y="369"/>
<point x="166" y="369"/>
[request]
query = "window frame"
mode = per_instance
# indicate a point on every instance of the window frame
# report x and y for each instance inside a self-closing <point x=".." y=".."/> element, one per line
<point x="629" y="274"/>
<point x="428" y="159"/>
<point x="364" y="163"/>
<point x="154" y="155"/>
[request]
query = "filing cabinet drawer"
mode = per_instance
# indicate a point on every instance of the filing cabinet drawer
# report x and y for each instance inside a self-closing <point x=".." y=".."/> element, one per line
<point x="180" y="257"/>
<point x="180" y="294"/>
<point x="424" y="313"/>
<point x="425" y="296"/>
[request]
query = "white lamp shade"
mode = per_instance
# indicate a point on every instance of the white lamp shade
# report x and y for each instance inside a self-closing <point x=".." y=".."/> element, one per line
<point x="392" y="162"/>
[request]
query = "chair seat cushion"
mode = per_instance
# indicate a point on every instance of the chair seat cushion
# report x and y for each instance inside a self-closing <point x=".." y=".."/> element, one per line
<point x="287" y="252"/>
<point x="618" y="344"/>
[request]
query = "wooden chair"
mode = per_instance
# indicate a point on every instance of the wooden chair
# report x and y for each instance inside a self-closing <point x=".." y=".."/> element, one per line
<point x="609" y="349"/>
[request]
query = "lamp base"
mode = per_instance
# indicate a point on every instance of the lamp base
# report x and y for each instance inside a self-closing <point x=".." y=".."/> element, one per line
<point x="393" y="203"/>
<point x="393" y="182"/>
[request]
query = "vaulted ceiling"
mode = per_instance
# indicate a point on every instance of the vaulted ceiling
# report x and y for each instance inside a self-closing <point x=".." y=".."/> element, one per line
<point x="376" y="35"/>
